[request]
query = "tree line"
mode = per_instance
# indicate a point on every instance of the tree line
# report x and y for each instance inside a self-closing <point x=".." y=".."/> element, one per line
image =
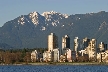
<point x="16" y="56"/>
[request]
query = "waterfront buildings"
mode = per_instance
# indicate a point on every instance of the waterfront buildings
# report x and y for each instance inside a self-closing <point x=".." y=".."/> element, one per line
<point x="89" y="52"/>
<point x="53" y="52"/>
<point x="49" y="56"/>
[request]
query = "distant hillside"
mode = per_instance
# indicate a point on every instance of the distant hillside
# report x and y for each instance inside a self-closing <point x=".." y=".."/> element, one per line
<point x="31" y="31"/>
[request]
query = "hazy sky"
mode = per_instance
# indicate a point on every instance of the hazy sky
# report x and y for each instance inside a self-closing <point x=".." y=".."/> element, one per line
<point x="10" y="9"/>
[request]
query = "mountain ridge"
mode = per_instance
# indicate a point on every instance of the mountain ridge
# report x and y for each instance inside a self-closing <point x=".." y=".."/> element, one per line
<point x="30" y="31"/>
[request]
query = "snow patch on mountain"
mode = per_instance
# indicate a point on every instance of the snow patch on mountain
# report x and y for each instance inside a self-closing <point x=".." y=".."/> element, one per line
<point x="52" y="14"/>
<point x="45" y="14"/>
<point x="21" y="20"/>
<point x="65" y="15"/>
<point x="34" y="17"/>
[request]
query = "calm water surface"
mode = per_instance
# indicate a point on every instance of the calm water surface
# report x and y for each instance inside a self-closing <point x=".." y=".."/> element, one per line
<point x="54" y="68"/>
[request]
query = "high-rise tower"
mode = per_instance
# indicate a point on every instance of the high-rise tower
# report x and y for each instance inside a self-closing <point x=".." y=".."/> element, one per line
<point x="65" y="42"/>
<point x="92" y="49"/>
<point x="76" y="44"/>
<point x="52" y="42"/>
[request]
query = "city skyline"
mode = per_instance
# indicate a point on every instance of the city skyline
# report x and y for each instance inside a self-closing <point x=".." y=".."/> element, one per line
<point x="78" y="43"/>
<point x="12" y="9"/>
<point x="89" y="52"/>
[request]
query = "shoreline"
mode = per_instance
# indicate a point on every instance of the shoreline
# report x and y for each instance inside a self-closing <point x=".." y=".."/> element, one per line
<point x="89" y="63"/>
<point x="59" y="63"/>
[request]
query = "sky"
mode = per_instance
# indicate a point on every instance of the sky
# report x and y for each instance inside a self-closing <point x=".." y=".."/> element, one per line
<point x="11" y="9"/>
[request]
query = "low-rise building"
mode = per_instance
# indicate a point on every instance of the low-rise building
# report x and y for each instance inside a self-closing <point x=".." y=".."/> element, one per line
<point x="34" y="56"/>
<point x="62" y="58"/>
<point x="69" y="55"/>
<point x="48" y="56"/>
<point x="73" y="54"/>
<point x="56" y="55"/>
<point x="102" y="56"/>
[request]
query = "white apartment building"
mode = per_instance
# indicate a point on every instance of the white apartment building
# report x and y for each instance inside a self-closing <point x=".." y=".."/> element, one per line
<point x="52" y="42"/>
<point x="34" y="56"/>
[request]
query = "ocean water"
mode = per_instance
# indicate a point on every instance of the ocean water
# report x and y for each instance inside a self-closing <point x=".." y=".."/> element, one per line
<point x="54" y="68"/>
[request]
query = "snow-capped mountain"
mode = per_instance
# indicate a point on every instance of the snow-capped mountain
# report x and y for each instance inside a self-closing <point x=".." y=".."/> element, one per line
<point x="43" y="20"/>
<point x="31" y="30"/>
<point x="45" y="17"/>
